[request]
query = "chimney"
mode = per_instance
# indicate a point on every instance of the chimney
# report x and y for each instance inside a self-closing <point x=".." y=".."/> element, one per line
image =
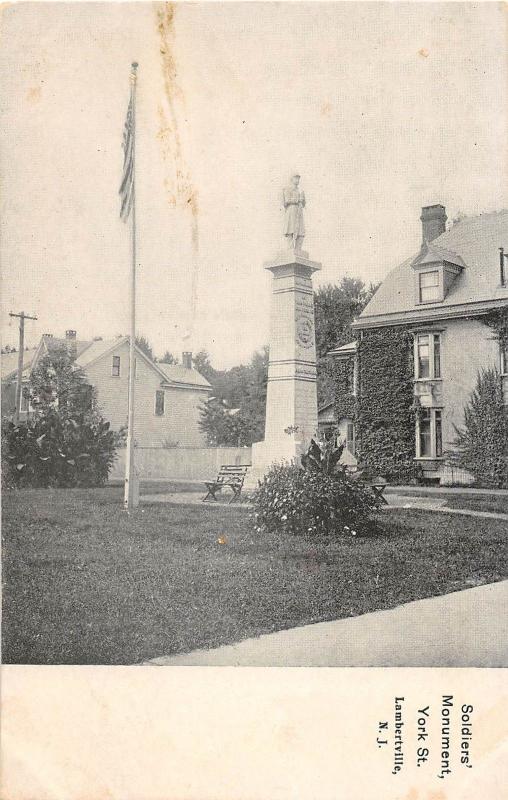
<point x="187" y="359"/>
<point x="70" y="334"/>
<point x="433" y="222"/>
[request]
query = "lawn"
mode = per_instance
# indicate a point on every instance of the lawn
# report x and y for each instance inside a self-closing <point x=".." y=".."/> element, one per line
<point x="83" y="583"/>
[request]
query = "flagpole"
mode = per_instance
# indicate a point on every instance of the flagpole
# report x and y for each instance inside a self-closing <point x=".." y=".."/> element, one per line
<point x="130" y="492"/>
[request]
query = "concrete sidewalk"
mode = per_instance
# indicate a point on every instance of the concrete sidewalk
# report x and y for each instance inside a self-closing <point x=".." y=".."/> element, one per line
<point x="430" y="490"/>
<point x="463" y="629"/>
<point x="438" y="504"/>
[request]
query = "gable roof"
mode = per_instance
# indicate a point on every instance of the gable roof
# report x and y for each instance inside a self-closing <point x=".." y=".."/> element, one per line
<point x="476" y="242"/>
<point x="431" y="253"/>
<point x="348" y="349"/>
<point x="176" y="373"/>
<point x="9" y="362"/>
<point x="55" y="342"/>
<point x="97" y="349"/>
<point x="173" y="374"/>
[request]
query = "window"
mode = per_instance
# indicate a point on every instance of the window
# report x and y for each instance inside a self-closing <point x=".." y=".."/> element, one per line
<point x="428" y="355"/>
<point x="423" y="357"/>
<point x="159" y="403"/>
<point x="429" y="433"/>
<point x="350" y="438"/>
<point x="430" y="289"/>
<point x="425" y="434"/>
<point x="503" y="351"/>
<point x="437" y="355"/>
<point x="115" y="368"/>
<point x="438" y="433"/>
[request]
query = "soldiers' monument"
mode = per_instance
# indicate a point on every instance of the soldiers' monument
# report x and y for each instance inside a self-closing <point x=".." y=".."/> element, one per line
<point x="291" y="402"/>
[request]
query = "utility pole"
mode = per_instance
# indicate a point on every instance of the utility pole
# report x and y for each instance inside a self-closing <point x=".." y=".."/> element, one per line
<point x="19" y="383"/>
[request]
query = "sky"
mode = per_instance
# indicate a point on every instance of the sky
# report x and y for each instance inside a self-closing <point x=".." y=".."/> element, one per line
<point x="381" y="107"/>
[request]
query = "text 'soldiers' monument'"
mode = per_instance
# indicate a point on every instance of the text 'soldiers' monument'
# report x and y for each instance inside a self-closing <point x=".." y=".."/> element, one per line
<point x="291" y="401"/>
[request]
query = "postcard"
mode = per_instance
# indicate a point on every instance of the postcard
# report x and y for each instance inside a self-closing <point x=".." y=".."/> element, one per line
<point x="254" y="400"/>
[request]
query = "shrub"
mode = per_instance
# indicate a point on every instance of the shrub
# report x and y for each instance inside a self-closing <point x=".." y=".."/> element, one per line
<point x="50" y="451"/>
<point x="481" y="446"/>
<point x="66" y="442"/>
<point x="318" y="498"/>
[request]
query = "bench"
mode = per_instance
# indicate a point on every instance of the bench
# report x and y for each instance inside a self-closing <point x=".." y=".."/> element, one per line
<point x="229" y="475"/>
<point x="377" y="485"/>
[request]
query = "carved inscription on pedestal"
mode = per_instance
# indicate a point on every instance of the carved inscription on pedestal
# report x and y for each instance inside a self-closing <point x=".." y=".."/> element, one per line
<point x="304" y="321"/>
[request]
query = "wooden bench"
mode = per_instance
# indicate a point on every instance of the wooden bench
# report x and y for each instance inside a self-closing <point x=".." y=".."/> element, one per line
<point x="377" y="485"/>
<point x="229" y="475"/>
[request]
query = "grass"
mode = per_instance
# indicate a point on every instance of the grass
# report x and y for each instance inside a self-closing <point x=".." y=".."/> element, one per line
<point x="86" y="584"/>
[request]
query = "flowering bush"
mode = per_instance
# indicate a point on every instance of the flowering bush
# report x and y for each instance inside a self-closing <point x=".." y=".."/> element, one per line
<point x="318" y="498"/>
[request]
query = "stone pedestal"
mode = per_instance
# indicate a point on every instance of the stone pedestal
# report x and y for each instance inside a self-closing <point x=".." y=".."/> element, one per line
<point x="291" y="402"/>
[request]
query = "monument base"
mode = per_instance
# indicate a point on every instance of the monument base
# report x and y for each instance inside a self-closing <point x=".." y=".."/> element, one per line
<point x="269" y="452"/>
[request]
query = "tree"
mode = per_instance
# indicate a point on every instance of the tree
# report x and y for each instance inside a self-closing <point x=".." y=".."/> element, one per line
<point x="168" y="358"/>
<point x="203" y="365"/>
<point x="65" y="442"/>
<point x="481" y="445"/>
<point x="223" y="426"/>
<point x="335" y="308"/>
<point x="144" y="345"/>
<point x="235" y="415"/>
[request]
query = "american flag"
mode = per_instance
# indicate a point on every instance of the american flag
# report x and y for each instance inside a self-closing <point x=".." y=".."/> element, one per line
<point x="126" y="190"/>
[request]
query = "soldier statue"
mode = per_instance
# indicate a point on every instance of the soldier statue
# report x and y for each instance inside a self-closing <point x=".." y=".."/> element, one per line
<point x="294" y="203"/>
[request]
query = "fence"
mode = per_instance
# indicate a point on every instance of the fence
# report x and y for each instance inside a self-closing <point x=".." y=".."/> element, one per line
<point x="180" y="463"/>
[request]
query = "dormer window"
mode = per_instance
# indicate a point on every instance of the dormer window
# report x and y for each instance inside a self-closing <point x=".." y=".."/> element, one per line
<point x="435" y="270"/>
<point x="430" y="290"/>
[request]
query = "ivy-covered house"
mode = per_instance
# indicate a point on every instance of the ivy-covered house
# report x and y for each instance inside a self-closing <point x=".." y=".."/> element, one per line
<point x="436" y="321"/>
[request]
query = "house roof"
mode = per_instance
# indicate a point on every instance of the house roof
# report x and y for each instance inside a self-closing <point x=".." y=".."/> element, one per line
<point x="97" y="349"/>
<point x="9" y="362"/>
<point x="174" y="374"/>
<point x="189" y="376"/>
<point x="55" y="342"/>
<point x="474" y="242"/>
<point x="430" y="253"/>
<point x="348" y="349"/>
